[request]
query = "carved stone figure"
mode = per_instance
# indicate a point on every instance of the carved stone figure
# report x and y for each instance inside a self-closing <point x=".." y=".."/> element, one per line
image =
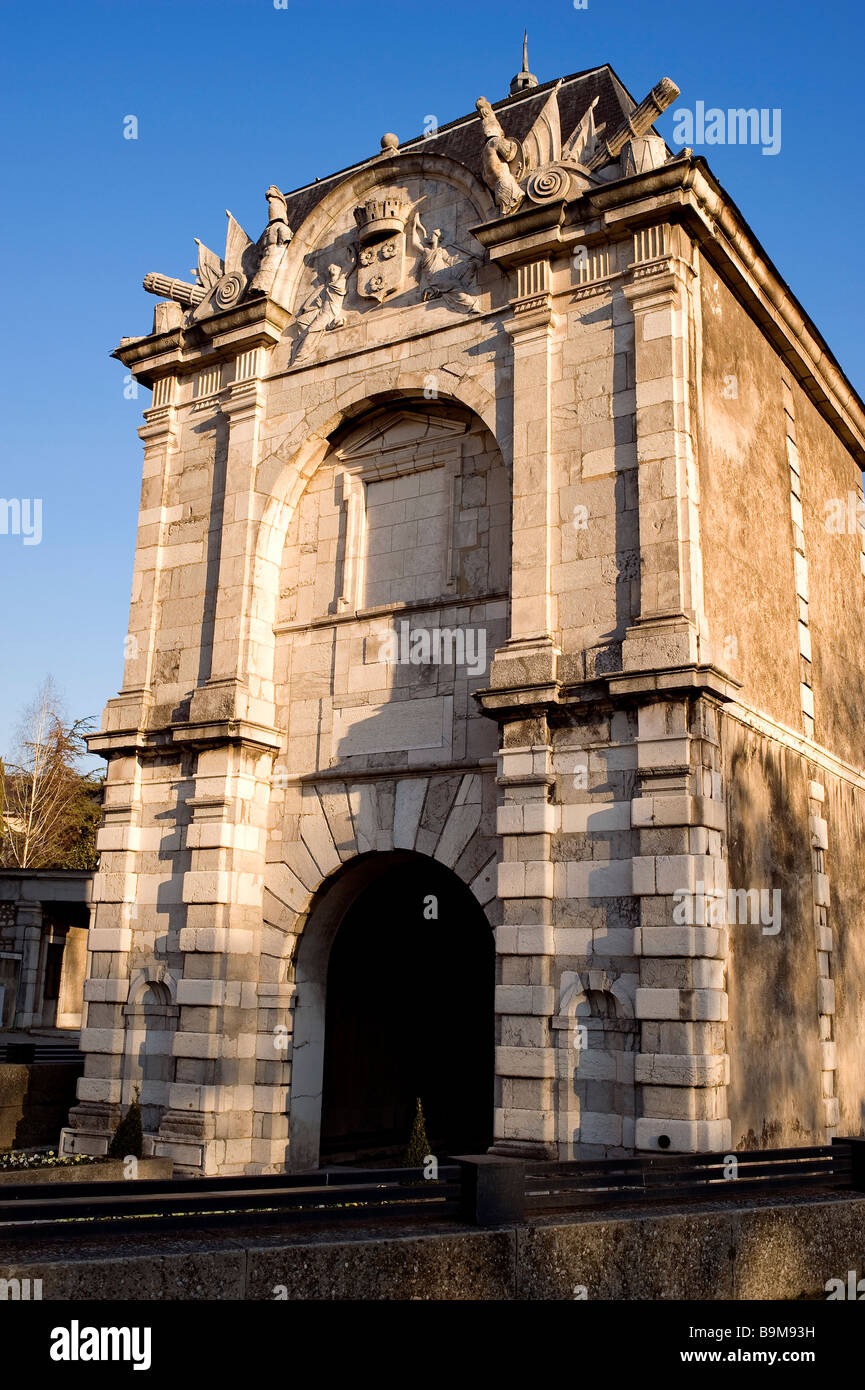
<point x="499" y="153"/>
<point x="545" y="169"/>
<point x="441" y="274"/>
<point x="272" y="242"/>
<point x="322" y="310"/>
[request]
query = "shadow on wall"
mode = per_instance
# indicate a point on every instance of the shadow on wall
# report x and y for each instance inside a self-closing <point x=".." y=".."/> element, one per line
<point x="35" y="1100"/>
<point x="773" y="1028"/>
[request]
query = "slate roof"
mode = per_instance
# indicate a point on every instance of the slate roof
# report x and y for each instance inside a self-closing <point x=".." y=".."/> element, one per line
<point x="462" y="139"/>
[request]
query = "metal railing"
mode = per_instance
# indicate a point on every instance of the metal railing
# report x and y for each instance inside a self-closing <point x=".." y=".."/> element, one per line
<point x="687" y="1177"/>
<point x="483" y="1190"/>
<point x="25" y="1053"/>
<point x="162" y="1204"/>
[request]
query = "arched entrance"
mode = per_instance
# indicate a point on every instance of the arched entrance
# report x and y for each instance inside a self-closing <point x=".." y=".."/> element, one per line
<point x="395" y="976"/>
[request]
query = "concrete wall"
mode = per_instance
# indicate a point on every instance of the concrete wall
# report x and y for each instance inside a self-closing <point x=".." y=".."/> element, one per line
<point x="785" y="1251"/>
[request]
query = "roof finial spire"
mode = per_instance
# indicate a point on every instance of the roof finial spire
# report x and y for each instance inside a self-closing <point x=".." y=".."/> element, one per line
<point x="524" y="79"/>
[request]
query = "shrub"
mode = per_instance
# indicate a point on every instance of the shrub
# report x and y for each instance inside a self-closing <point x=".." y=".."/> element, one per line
<point x="418" y="1144"/>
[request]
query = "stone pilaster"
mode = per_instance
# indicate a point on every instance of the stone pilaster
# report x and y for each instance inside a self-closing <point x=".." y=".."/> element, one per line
<point x="209" y="1121"/>
<point x="819" y="834"/>
<point x="117" y="912"/>
<point x="670" y="621"/>
<point x="526" y="666"/>
<point x="121" y="904"/>
<point x="159" y="433"/>
<point x="679" y="876"/>
<point x="525" y="948"/>
<point x="679" y="871"/>
<point x="529" y="656"/>
<point x="231" y="690"/>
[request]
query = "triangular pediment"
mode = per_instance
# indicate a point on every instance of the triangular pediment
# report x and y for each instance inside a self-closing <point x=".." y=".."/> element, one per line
<point x="402" y="429"/>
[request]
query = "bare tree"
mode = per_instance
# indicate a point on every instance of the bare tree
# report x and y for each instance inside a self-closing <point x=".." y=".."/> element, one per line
<point x="43" y="788"/>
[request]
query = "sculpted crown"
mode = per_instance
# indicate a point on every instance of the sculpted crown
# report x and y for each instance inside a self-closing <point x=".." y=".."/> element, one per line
<point x="381" y="217"/>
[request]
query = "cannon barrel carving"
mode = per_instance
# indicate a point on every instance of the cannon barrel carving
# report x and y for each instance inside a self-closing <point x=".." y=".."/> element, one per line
<point x="181" y="291"/>
<point x="640" y="120"/>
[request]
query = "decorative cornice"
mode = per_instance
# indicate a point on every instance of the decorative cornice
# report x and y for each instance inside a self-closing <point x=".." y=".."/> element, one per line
<point x="153" y="743"/>
<point x="256" y="323"/>
<point x="523" y="236"/>
<point x="244" y="398"/>
<point x="517" y="700"/>
<point x="160" y="422"/>
<point x="219" y="731"/>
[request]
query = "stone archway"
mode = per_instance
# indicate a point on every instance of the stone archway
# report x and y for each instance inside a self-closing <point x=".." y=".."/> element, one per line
<point x="395" y="996"/>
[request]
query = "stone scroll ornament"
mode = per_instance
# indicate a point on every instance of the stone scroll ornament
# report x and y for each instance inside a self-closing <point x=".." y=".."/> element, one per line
<point x="247" y="267"/>
<point x="545" y="169"/>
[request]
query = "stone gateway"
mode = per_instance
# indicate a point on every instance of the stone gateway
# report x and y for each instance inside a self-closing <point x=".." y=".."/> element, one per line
<point x="487" y="643"/>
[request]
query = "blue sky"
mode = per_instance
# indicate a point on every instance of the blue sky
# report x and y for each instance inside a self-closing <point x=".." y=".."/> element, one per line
<point x="232" y="95"/>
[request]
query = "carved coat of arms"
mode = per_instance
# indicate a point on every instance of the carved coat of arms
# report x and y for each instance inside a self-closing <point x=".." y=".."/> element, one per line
<point x="381" y="250"/>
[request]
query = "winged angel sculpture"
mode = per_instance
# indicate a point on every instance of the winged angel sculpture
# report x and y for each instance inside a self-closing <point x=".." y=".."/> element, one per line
<point x="545" y="168"/>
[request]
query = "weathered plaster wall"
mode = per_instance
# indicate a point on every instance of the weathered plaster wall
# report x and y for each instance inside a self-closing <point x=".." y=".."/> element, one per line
<point x="836" y="584"/>
<point x="845" y="814"/>
<point x="773" y="1035"/>
<point x="745" y="506"/>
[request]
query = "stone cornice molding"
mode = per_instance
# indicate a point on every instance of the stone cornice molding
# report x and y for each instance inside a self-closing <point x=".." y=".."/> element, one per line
<point x="258" y="323"/>
<point x="786" y="737"/>
<point x="516" y="700"/>
<point x="211" y="734"/>
<point x="160" y="425"/>
<point x="243" y="400"/>
<point x="528" y="234"/>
